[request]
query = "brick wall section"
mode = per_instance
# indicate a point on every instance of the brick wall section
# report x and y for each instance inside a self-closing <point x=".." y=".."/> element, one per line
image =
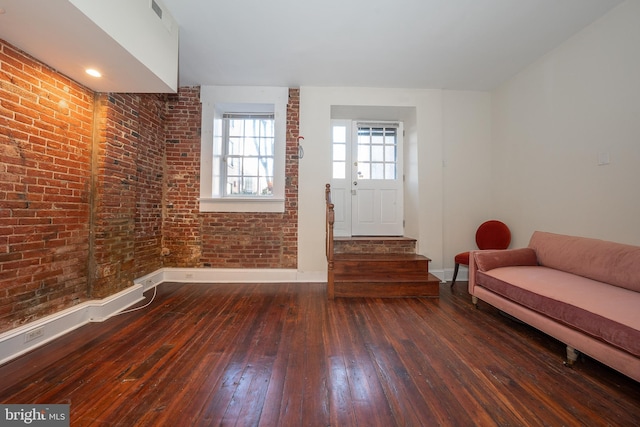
<point x="150" y="176"/>
<point x="182" y="242"/>
<point x="127" y="214"/>
<point x="223" y="240"/>
<point x="53" y="193"/>
<point x="45" y="134"/>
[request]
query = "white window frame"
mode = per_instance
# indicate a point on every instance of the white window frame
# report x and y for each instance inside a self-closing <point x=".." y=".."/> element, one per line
<point x="217" y="100"/>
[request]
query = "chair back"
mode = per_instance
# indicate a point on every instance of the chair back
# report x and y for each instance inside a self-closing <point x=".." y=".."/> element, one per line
<point x="493" y="234"/>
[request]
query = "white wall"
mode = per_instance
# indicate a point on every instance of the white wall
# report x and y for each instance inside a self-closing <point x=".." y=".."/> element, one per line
<point x="457" y="123"/>
<point x="467" y="171"/>
<point x="553" y="121"/>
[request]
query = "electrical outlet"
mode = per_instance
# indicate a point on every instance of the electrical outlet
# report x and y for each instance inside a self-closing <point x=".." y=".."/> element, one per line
<point x="189" y="275"/>
<point x="33" y="334"/>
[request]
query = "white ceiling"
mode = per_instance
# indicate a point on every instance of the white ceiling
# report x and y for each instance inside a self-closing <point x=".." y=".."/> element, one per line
<point x="450" y="44"/>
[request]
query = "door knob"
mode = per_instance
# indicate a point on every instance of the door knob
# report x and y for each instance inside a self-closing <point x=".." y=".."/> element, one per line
<point x="355" y="182"/>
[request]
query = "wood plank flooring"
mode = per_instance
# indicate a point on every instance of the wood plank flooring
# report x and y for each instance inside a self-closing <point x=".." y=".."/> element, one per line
<point x="284" y="355"/>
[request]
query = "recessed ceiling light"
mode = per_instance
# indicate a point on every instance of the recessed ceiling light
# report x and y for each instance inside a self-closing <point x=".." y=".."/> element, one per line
<point x="94" y="73"/>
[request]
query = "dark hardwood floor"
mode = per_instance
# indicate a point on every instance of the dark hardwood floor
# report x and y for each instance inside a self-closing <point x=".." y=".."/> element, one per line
<point x="283" y="355"/>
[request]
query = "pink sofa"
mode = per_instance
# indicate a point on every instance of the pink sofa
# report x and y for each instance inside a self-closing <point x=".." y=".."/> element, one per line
<point x="583" y="292"/>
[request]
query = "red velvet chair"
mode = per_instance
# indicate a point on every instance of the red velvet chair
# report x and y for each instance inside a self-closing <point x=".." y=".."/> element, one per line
<point x="491" y="234"/>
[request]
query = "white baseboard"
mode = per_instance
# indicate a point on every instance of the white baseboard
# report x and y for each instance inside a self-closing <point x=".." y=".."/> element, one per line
<point x="239" y="275"/>
<point x="463" y="274"/>
<point x="25" y="338"/>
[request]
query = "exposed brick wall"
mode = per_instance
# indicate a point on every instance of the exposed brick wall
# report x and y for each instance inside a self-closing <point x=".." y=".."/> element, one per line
<point x="127" y="209"/>
<point x="66" y="176"/>
<point x="223" y="240"/>
<point x="45" y="134"/>
<point x="182" y="241"/>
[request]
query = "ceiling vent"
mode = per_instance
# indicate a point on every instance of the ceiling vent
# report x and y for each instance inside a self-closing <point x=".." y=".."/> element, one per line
<point x="156" y="8"/>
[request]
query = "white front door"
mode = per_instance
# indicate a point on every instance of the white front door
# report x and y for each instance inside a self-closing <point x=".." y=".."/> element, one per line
<point x="367" y="184"/>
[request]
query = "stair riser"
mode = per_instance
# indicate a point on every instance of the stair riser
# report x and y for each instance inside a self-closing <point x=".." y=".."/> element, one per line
<point x="374" y="246"/>
<point x="380" y="267"/>
<point x="384" y="290"/>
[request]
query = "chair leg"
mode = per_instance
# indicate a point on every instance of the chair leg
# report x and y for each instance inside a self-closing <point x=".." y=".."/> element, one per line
<point x="455" y="274"/>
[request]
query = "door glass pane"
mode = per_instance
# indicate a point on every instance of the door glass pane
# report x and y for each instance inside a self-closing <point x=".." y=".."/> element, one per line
<point x="390" y="171"/>
<point x="340" y="134"/>
<point x="364" y="170"/>
<point x="390" y="153"/>
<point x="377" y="152"/>
<point x="363" y="153"/>
<point x="339" y="151"/>
<point x="377" y="171"/>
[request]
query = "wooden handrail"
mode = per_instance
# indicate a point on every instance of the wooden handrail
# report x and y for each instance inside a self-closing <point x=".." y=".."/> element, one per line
<point x="330" y="218"/>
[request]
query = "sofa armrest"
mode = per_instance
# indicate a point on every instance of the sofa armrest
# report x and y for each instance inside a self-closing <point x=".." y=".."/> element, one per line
<point x="489" y="259"/>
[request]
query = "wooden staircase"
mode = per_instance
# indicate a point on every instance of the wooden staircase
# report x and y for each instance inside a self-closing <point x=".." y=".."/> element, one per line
<point x="381" y="267"/>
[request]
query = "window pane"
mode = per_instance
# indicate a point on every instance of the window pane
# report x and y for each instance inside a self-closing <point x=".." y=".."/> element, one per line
<point x="377" y="153"/>
<point x="339" y="152"/>
<point x="377" y="135"/>
<point x="236" y="127"/>
<point x="377" y="171"/>
<point x="266" y="186"/>
<point x="249" y="185"/>
<point x="363" y="153"/>
<point x="234" y="166"/>
<point x="364" y="170"/>
<point x="250" y="166"/>
<point x="233" y="185"/>
<point x="390" y="153"/>
<point x="266" y="168"/>
<point x="339" y="170"/>
<point x="390" y="171"/>
<point x="234" y="147"/>
<point x="340" y="134"/>
<point x="266" y="147"/>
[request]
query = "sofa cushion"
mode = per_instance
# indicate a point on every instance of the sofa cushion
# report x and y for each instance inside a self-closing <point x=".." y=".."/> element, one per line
<point x="614" y="263"/>
<point x="490" y="259"/>
<point x="606" y="312"/>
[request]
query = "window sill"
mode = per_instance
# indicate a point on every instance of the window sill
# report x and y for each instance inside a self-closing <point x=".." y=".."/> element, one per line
<point x="242" y="204"/>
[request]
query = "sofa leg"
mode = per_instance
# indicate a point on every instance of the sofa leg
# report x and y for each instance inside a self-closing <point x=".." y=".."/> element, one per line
<point x="474" y="300"/>
<point x="572" y="356"/>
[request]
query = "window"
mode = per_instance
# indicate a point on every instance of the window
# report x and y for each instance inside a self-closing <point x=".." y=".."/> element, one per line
<point x="339" y="151"/>
<point x="374" y="153"/>
<point x="249" y="154"/>
<point x="243" y="149"/>
<point x="377" y="151"/>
